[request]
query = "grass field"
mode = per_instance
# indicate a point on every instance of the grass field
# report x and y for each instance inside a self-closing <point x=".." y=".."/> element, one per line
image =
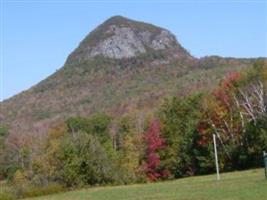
<point x="245" y="185"/>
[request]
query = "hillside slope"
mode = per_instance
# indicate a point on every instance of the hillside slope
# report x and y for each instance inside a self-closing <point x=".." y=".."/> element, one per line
<point x="122" y="65"/>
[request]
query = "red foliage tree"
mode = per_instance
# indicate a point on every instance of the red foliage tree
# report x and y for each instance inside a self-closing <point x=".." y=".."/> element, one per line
<point x="154" y="143"/>
<point x="222" y="112"/>
<point x="226" y="87"/>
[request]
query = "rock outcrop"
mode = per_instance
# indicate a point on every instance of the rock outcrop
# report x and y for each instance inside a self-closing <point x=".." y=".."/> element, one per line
<point x="120" y="37"/>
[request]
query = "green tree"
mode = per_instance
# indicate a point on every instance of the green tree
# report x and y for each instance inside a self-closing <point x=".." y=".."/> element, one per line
<point x="129" y="146"/>
<point x="180" y="117"/>
<point x="75" y="124"/>
<point x="99" y="124"/>
<point x="3" y="134"/>
<point x="83" y="161"/>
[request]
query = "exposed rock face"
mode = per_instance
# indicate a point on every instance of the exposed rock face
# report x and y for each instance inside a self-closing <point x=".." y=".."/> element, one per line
<point x="120" y="37"/>
<point x="123" y="43"/>
<point x="163" y="41"/>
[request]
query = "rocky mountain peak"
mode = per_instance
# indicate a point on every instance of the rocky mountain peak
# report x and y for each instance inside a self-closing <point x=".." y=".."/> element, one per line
<point x="120" y="37"/>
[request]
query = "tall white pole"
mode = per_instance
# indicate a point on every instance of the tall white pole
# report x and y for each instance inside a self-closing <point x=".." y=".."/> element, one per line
<point x="216" y="157"/>
<point x="265" y="165"/>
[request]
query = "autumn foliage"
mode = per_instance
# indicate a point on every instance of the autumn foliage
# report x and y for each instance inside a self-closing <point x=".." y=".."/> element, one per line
<point x="234" y="111"/>
<point x="154" y="143"/>
<point x="101" y="149"/>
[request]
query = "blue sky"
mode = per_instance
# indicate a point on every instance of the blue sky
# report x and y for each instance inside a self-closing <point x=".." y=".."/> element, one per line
<point x="37" y="36"/>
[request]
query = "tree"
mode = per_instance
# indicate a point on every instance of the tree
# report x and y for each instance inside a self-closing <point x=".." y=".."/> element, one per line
<point x="83" y="161"/>
<point x="3" y="135"/>
<point x="179" y="118"/>
<point x="97" y="124"/>
<point x="233" y="112"/>
<point x="130" y="148"/>
<point x="3" y="131"/>
<point x="45" y="165"/>
<point x="154" y="143"/>
<point x="75" y="124"/>
<point x="18" y="153"/>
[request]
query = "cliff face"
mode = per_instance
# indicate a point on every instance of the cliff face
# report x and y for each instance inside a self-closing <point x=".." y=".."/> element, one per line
<point x="120" y="37"/>
<point x="125" y="43"/>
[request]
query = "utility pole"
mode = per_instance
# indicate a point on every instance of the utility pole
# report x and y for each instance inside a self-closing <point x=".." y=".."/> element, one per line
<point x="216" y="157"/>
<point x="265" y="163"/>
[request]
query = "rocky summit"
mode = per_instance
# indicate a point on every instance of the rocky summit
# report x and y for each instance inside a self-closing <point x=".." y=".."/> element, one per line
<point x="119" y="37"/>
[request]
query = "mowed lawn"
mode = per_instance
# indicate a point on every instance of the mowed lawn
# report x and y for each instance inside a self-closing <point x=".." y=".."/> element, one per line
<point x="245" y="185"/>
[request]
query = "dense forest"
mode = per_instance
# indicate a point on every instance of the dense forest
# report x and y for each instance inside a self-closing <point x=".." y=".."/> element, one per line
<point x="171" y="141"/>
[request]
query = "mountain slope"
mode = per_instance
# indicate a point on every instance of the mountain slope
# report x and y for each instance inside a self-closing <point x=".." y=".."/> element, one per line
<point x="122" y="65"/>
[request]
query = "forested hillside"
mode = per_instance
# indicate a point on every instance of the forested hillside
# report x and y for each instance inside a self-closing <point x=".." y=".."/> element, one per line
<point x="131" y="105"/>
<point x="122" y="65"/>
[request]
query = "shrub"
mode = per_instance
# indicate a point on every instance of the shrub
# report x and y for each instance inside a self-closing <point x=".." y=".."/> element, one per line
<point x="33" y="191"/>
<point x="6" y="196"/>
<point x="26" y="188"/>
<point x="20" y="182"/>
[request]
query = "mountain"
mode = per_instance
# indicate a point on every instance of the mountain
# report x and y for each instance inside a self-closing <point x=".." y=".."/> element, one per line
<point x="119" y="37"/>
<point x="122" y="65"/>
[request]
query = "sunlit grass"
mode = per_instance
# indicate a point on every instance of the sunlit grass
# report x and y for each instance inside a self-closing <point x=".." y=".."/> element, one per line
<point x="245" y="185"/>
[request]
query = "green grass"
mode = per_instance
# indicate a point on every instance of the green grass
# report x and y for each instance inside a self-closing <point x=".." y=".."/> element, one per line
<point x="245" y="185"/>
